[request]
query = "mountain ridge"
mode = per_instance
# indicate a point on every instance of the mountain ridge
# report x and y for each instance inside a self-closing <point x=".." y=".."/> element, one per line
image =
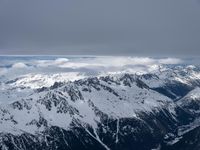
<point x="108" y="112"/>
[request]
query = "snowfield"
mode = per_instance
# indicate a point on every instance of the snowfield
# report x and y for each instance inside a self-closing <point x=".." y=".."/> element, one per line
<point x="152" y="109"/>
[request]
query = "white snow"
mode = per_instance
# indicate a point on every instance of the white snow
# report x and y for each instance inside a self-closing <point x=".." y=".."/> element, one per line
<point x="128" y="102"/>
<point x="194" y="94"/>
<point x="35" y="81"/>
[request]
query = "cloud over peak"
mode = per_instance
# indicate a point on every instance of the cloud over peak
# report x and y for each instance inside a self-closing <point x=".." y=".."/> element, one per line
<point x="19" y="65"/>
<point x="88" y="66"/>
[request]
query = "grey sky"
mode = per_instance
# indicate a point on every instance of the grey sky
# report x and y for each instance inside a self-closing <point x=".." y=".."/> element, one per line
<point x="102" y="27"/>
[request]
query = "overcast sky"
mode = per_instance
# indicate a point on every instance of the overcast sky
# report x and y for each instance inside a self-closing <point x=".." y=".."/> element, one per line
<point x="100" y="27"/>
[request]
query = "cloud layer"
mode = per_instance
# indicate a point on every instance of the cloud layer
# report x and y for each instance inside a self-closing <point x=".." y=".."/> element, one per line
<point x="13" y="67"/>
<point x="100" y="27"/>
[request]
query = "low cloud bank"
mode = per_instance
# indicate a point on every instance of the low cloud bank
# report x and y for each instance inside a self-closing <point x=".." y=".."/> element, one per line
<point x="87" y="66"/>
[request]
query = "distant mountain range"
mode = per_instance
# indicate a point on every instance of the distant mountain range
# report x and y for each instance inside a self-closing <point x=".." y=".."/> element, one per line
<point x="123" y="111"/>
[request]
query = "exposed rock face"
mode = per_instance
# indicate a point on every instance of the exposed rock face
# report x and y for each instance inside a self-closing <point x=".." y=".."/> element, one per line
<point x="112" y="112"/>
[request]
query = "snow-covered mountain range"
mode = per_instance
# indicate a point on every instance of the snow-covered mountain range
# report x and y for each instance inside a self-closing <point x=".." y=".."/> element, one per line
<point x="154" y="110"/>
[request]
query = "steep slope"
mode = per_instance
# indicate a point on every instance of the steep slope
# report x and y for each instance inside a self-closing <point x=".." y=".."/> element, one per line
<point x="112" y="112"/>
<point x="188" y="135"/>
<point x="191" y="101"/>
<point x="173" y="81"/>
<point x="188" y="141"/>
